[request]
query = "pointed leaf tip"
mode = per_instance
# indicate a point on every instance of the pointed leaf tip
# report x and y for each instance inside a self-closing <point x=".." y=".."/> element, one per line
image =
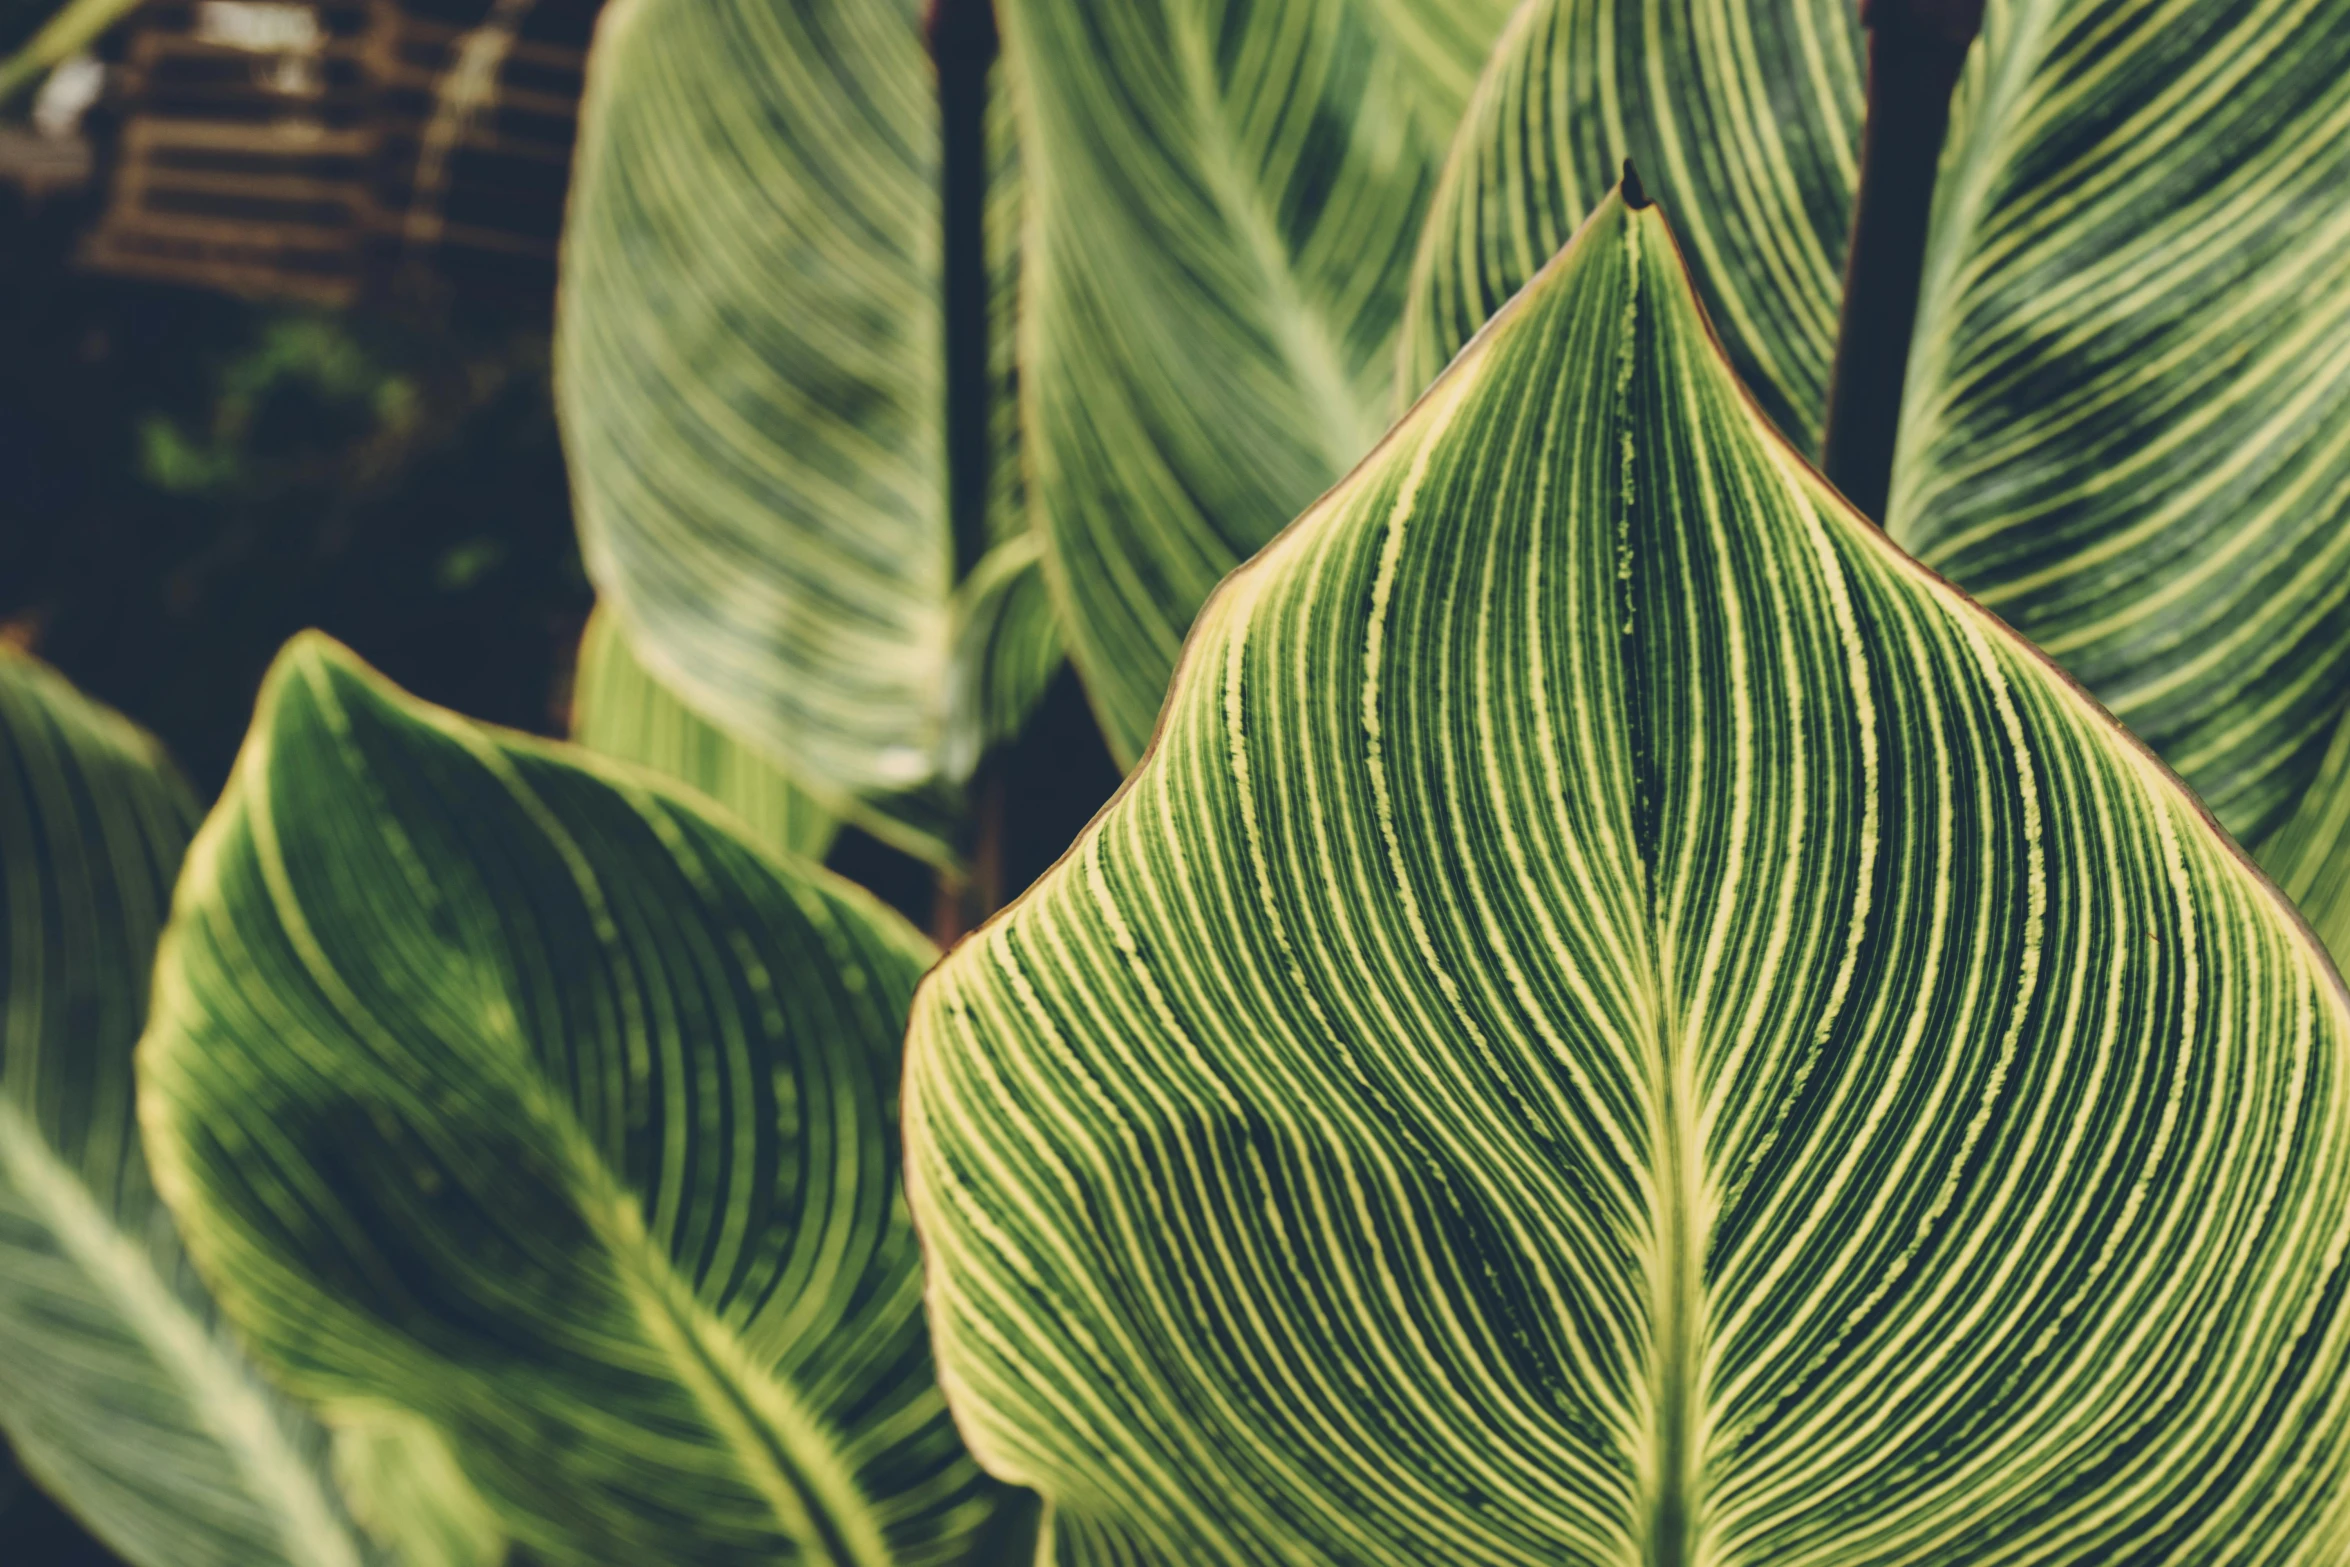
<point x="1635" y="194"/>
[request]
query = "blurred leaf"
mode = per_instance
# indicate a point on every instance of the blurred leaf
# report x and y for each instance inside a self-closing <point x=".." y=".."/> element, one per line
<point x="747" y="365"/>
<point x="621" y="711"/>
<point x="506" y="1087"/>
<point x="408" y="1492"/>
<point x="1743" y="117"/>
<point x="119" y="1388"/>
<point x="2310" y="855"/>
<point x="73" y="28"/>
<point x="1007" y="650"/>
<point x="2124" y="428"/>
<point x="1223" y="206"/>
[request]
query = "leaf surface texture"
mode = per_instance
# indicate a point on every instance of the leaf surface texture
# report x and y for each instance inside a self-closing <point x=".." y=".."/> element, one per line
<point x="1623" y="1020"/>
<point x="2125" y="428"/>
<point x="515" y="1092"/>
<point x="1223" y="199"/>
<point x="120" y="1388"/>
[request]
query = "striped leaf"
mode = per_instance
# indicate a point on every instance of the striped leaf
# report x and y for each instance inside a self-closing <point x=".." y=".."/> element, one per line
<point x="1622" y="1020"/>
<point x="1223" y="198"/>
<point x="751" y="330"/>
<point x="504" y="1087"/>
<point x="1745" y="116"/>
<point x="748" y="369"/>
<point x="119" y="1387"/>
<point x="1007" y="650"/>
<point x="620" y="710"/>
<point x="2310" y="855"/>
<point x="406" y="1488"/>
<point x="2125" y="427"/>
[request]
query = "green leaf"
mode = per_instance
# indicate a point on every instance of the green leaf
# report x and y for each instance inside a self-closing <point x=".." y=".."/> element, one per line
<point x="119" y="1388"/>
<point x="1007" y="650"/>
<point x="620" y="710"/>
<point x="1743" y="115"/>
<point x="75" y="27"/>
<point x="506" y="1088"/>
<point x="747" y="366"/>
<point x="2124" y="427"/>
<point x="1622" y="1020"/>
<point x="1222" y="204"/>
<point x="406" y="1489"/>
<point x="2310" y="854"/>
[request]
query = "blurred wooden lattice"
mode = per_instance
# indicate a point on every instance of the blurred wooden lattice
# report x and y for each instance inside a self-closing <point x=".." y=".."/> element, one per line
<point x="334" y="150"/>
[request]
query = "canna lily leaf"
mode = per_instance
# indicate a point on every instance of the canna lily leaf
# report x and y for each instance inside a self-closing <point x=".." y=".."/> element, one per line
<point x="504" y="1087"/>
<point x="2310" y="855"/>
<point x="2124" y="427"/>
<point x="1007" y="650"/>
<point x="406" y="1489"/>
<point x="747" y="367"/>
<point x="750" y="333"/>
<point x="620" y="710"/>
<point x="1744" y="115"/>
<point x="1622" y="1020"/>
<point x="1222" y="204"/>
<point x="119" y="1387"/>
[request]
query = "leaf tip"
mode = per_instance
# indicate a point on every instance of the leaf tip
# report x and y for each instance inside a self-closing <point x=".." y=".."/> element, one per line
<point x="1635" y="194"/>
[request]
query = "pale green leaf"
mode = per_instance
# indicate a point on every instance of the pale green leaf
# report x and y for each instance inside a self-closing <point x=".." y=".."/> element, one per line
<point x="119" y="1388"/>
<point x="1622" y="1020"/>
<point x="2125" y="428"/>
<point x="1222" y="201"/>
<point x="620" y="710"/>
<point x="1743" y="115"/>
<point x="1007" y="650"/>
<point x="406" y="1489"/>
<point x="505" y="1087"/>
<point x="2310" y="854"/>
<point x="747" y="363"/>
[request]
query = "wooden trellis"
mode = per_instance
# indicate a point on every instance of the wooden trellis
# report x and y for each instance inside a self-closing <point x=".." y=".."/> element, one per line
<point x="332" y="150"/>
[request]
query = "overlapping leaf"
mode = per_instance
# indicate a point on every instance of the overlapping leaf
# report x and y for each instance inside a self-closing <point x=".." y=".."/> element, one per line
<point x="513" y="1092"/>
<point x="2125" y="428"/>
<point x="1007" y="650"/>
<point x="2310" y="855"/>
<point x="1622" y="1020"/>
<point x="119" y="1388"/>
<point x="620" y="710"/>
<point x="748" y="346"/>
<point x="1223" y="199"/>
<point x="1744" y="115"/>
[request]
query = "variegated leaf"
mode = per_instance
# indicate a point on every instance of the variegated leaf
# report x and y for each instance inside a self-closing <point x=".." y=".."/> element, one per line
<point x="1743" y="114"/>
<point x="1223" y="199"/>
<point x="2310" y="855"/>
<point x="1622" y="1020"/>
<point x="1007" y="650"/>
<point x="619" y="709"/>
<point x="748" y="350"/>
<point x="120" y="1388"/>
<point x="504" y="1087"/>
<point x="2127" y="424"/>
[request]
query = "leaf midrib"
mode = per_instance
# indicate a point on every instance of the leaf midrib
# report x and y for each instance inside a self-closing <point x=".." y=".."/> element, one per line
<point x="758" y="1418"/>
<point x="233" y="1410"/>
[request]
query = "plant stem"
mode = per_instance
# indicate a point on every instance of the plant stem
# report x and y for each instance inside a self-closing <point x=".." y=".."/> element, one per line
<point x="1916" y="49"/>
<point x="963" y="44"/>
